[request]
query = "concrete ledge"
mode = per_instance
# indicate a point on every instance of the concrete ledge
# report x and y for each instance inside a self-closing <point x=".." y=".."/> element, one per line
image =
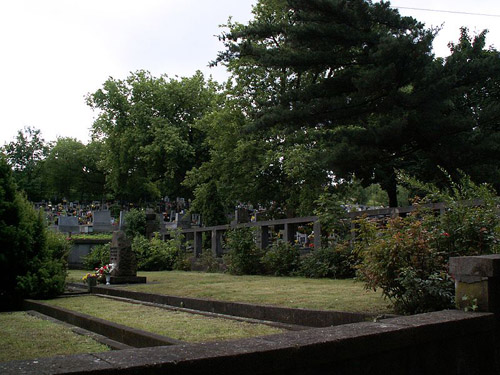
<point x="300" y="317"/>
<point x="126" y="335"/>
<point x="480" y="266"/>
<point x="447" y="342"/>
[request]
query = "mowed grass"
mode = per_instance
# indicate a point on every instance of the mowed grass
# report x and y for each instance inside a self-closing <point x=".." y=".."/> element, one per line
<point x="23" y="337"/>
<point x="175" y="324"/>
<point x="322" y="294"/>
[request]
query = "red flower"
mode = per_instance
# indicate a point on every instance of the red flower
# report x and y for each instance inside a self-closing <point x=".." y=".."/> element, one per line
<point x="446" y="234"/>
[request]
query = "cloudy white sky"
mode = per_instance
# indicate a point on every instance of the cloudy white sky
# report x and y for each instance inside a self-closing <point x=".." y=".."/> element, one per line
<point x="54" y="52"/>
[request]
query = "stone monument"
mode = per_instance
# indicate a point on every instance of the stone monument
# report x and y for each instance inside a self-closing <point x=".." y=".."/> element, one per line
<point x="123" y="259"/>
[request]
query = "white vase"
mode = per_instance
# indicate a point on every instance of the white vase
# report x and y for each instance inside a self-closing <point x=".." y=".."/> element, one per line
<point x="108" y="277"/>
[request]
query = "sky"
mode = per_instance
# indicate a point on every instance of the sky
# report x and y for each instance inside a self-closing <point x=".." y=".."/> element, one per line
<point x="55" y="52"/>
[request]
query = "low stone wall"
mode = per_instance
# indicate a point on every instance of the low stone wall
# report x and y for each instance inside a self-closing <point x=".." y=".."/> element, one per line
<point x="445" y="342"/>
<point x="300" y="317"/>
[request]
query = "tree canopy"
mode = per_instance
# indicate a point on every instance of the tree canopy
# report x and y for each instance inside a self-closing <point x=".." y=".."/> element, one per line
<point x="147" y="126"/>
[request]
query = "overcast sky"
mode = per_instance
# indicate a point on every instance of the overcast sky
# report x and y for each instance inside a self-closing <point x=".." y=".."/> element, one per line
<point x="54" y="52"/>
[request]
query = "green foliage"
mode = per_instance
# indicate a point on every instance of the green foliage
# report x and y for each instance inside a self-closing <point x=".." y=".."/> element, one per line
<point x="135" y="223"/>
<point x="244" y="257"/>
<point x="159" y="255"/>
<point x="408" y="257"/>
<point x="98" y="256"/>
<point x="208" y="261"/>
<point x="26" y="155"/>
<point x="281" y="259"/>
<point x="32" y="261"/>
<point x="147" y="125"/>
<point x="337" y="262"/>
<point x="333" y="216"/>
<point x="208" y="203"/>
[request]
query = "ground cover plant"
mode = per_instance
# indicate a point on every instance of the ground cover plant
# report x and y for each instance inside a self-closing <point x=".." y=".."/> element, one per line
<point x="175" y="324"/>
<point x="323" y="294"/>
<point x="23" y="336"/>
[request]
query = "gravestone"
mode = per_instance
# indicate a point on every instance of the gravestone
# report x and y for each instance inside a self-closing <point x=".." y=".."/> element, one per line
<point x="68" y="224"/>
<point x="124" y="262"/>
<point x="102" y="221"/>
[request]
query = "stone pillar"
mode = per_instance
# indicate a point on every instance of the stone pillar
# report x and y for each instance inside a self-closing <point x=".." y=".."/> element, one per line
<point x="217" y="243"/>
<point x="197" y="243"/>
<point x="263" y="237"/>
<point x="317" y="235"/>
<point x="289" y="234"/>
<point x="477" y="277"/>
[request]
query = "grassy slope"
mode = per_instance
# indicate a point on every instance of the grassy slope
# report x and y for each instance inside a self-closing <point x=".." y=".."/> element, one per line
<point x="174" y="324"/>
<point x="323" y="294"/>
<point x="23" y="336"/>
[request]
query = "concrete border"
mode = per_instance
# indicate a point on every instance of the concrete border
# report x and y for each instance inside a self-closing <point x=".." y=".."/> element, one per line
<point x="118" y="332"/>
<point x="285" y="315"/>
<point x="445" y="343"/>
<point x="114" y="345"/>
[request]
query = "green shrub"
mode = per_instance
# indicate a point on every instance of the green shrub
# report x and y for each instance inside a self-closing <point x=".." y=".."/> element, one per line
<point x="408" y="257"/>
<point x="244" y="257"/>
<point x="337" y="262"/>
<point x="32" y="264"/>
<point x="98" y="256"/>
<point x="159" y="255"/>
<point x="135" y="223"/>
<point x="282" y="259"/>
<point x="208" y="261"/>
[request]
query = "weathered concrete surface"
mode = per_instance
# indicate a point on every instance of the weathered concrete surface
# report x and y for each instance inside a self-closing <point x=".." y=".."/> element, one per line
<point x="477" y="278"/>
<point x="447" y="342"/>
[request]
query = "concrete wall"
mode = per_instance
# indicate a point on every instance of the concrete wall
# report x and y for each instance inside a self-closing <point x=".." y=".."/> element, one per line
<point x="81" y="248"/>
<point x="446" y="342"/>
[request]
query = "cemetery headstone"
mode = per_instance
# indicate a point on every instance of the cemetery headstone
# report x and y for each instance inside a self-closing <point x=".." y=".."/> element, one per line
<point x="124" y="261"/>
<point x="102" y="221"/>
<point x="68" y="224"/>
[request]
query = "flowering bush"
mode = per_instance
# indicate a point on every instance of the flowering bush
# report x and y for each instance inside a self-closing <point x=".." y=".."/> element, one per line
<point x="408" y="257"/>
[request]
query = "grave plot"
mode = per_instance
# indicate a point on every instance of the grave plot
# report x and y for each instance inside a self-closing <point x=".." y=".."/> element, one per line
<point x="23" y="336"/>
<point x="177" y="325"/>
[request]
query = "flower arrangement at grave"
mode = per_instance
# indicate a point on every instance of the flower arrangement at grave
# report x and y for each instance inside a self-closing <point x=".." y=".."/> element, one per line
<point x="103" y="273"/>
<point x="105" y="270"/>
<point x="88" y="276"/>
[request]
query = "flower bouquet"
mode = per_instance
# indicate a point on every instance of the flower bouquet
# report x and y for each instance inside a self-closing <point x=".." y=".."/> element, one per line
<point x="90" y="279"/>
<point x="103" y="273"/>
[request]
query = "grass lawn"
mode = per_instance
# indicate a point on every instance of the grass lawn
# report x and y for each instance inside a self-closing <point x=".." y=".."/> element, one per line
<point x="323" y="294"/>
<point x="175" y="324"/>
<point x="23" y="336"/>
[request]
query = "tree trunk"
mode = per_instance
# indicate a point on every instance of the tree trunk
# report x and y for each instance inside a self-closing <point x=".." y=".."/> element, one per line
<point x="391" y="188"/>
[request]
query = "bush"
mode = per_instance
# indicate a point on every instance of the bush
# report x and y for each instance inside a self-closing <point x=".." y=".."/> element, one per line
<point x="208" y="261"/>
<point x="282" y="259"/>
<point x="159" y="255"/>
<point x="135" y="223"/>
<point x="337" y="262"/>
<point x="408" y="257"/>
<point x="98" y="256"/>
<point x="244" y="257"/>
<point x="32" y="261"/>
